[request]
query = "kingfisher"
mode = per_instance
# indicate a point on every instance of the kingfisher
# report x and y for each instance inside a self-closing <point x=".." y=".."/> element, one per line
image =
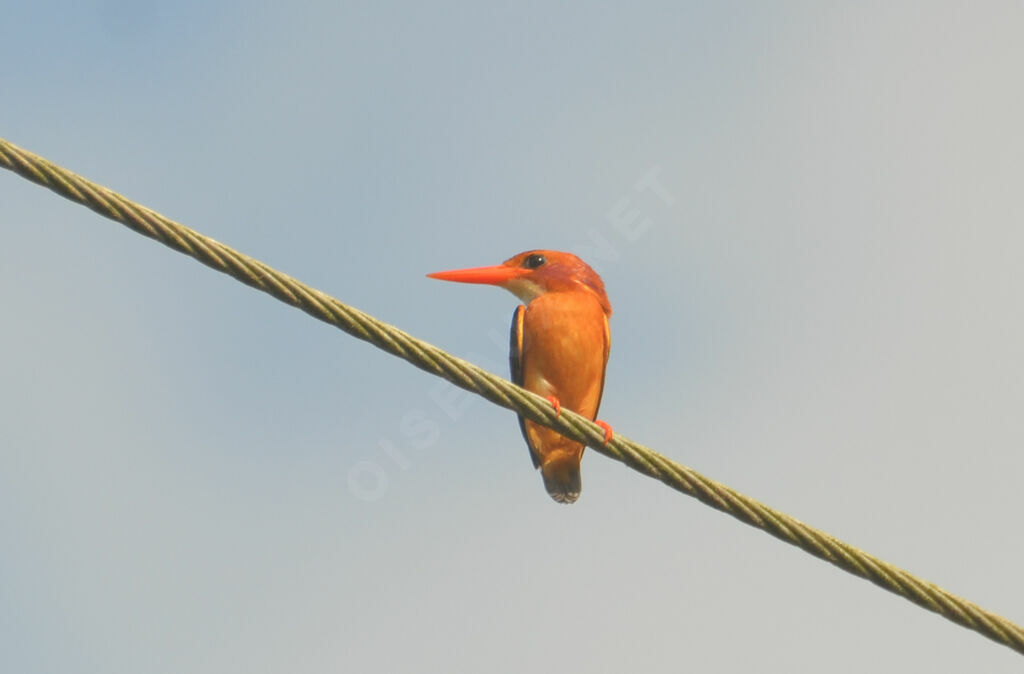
<point x="558" y="349"/>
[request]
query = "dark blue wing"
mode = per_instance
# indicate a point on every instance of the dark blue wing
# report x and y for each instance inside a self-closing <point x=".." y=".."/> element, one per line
<point x="515" y="362"/>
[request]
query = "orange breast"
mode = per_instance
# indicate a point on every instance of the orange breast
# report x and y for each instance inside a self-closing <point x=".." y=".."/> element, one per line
<point x="565" y="348"/>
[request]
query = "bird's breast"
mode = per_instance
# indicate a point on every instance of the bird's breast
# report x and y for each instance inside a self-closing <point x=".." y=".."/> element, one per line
<point x="564" y="349"/>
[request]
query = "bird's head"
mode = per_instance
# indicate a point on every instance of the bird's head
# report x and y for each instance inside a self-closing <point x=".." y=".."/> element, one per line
<point x="533" y="273"/>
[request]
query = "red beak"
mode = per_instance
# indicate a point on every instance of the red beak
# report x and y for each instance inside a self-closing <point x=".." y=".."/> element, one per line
<point x="494" y="276"/>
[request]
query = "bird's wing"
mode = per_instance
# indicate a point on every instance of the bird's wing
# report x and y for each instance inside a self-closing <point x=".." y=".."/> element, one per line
<point x="515" y="362"/>
<point x="604" y="364"/>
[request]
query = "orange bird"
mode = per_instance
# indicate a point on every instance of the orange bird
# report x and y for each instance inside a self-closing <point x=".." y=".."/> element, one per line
<point x="559" y="349"/>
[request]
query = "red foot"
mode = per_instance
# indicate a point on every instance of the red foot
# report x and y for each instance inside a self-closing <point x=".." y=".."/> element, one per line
<point x="557" y="405"/>
<point x="607" y="430"/>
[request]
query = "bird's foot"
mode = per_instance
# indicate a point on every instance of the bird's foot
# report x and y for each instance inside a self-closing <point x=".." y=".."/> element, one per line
<point x="557" y="405"/>
<point x="607" y="430"/>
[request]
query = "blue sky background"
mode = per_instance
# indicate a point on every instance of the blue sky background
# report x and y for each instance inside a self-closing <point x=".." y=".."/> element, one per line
<point x="826" y="316"/>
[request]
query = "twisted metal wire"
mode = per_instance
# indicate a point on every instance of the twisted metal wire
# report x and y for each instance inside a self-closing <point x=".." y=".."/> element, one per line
<point x="427" y="357"/>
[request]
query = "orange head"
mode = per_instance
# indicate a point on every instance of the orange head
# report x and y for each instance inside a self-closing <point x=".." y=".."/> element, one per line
<point x="533" y="273"/>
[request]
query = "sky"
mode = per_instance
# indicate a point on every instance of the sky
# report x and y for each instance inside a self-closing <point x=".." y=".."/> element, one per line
<point x="808" y="219"/>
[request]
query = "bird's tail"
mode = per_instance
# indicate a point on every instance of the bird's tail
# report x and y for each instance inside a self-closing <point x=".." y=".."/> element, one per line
<point x="561" y="472"/>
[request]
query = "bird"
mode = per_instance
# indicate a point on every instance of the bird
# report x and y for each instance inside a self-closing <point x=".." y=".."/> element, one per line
<point x="559" y="345"/>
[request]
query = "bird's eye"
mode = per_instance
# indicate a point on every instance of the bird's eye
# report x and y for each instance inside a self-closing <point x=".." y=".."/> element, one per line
<point x="534" y="261"/>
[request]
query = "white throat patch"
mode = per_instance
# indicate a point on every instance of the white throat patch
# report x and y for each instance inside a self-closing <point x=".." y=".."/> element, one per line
<point x="524" y="289"/>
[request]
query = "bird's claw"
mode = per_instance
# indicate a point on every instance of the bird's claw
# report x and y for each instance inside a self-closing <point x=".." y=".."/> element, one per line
<point x="607" y="430"/>
<point x="556" y="404"/>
